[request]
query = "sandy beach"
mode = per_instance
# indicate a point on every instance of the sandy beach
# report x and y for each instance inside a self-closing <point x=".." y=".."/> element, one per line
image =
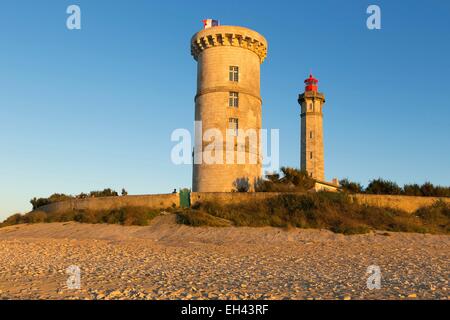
<point x="169" y="261"/>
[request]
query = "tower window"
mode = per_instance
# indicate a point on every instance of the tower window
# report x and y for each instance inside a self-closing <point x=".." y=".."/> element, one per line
<point x="310" y="155"/>
<point x="233" y="100"/>
<point x="233" y="124"/>
<point x="234" y="73"/>
<point x="310" y="106"/>
<point x="310" y="134"/>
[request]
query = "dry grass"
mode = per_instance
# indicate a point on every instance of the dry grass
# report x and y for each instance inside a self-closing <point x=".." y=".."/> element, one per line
<point x="125" y="216"/>
<point x="332" y="211"/>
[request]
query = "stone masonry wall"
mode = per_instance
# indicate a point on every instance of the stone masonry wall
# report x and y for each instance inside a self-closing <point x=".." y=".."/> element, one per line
<point x="407" y="203"/>
<point x="164" y="201"/>
<point x="154" y="201"/>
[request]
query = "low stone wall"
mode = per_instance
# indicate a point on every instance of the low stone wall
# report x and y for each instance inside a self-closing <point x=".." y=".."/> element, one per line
<point x="154" y="201"/>
<point x="406" y="203"/>
<point x="230" y="197"/>
<point x="164" y="201"/>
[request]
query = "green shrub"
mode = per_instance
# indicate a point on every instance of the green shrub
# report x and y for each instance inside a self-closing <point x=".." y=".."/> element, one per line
<point x="59" y="197"/>
<point x="35" y="217"/>
<point x="83" y="216"/>
<point x="37" y="203"/>
<point x="61" y="216"/>
<point x="138" y="216"/>
<point x="412" y="190"/>
<point x="381" y="186"/>
<point x="241" y="185"/>
<point x="200" y="218"/>
<point x="436" y="217"/>
<point x="13" y="220"/>
<point x="293" y="180"/>
<point x="350" y="186"/>
<point x="128" y="216"/>
<point x="105" y="193"/>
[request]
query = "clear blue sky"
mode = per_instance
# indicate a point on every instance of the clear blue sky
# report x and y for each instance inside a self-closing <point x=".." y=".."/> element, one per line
<point x="90" y="109"/>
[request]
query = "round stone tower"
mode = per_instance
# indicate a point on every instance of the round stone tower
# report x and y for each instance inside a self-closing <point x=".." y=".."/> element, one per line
<point x="227" y="101"/>
<point x="311" y="103"/>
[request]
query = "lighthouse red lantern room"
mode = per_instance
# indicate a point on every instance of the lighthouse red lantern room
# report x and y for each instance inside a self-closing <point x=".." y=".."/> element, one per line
<point x="311" y="83"/>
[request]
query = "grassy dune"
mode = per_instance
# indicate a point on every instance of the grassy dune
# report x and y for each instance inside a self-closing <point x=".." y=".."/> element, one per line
<point x="331" y="211"/>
